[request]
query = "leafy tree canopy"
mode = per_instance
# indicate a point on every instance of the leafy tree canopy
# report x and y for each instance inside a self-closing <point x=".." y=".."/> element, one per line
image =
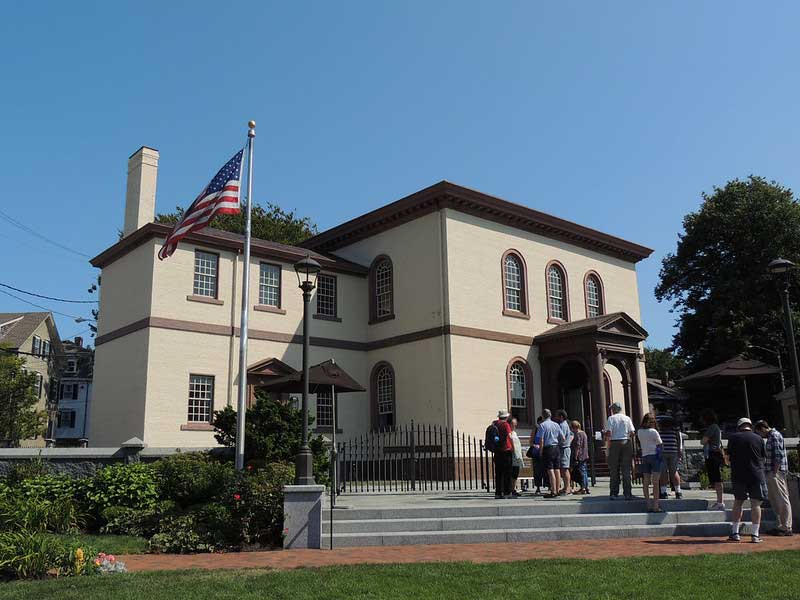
<point x="19" y="419"/>
<point x="271" y="223"/>
<point x="717" y="279"/>
<point x="663" y="364"/>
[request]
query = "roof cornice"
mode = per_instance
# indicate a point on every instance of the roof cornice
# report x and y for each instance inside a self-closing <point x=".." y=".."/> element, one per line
<point x="223" y="240"/>
<point x="449" y="195"/>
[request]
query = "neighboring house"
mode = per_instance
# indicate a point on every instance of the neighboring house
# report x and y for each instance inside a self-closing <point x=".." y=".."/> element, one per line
<point x="74" y="393"/>
<point x="446" y="305"/>
<point x="35" y="337"/>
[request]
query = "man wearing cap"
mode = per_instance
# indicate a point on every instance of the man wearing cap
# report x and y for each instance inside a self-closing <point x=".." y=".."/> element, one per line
<point x="619" y="435"/>
<point x="775" y="468"/>
<point x="503" y="456"/>
<point x="746" y="455"/>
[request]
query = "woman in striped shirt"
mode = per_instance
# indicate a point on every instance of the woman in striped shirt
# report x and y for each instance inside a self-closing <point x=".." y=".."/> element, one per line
<point x="673" y="444"/>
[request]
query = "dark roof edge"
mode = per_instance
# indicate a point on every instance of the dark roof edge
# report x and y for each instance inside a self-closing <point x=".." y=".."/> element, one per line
<point x="209" y="237"/>
<point x="450" y="195"/>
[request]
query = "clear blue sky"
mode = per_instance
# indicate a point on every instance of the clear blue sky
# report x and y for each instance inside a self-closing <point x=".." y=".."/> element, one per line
<point x="615" y="115"/>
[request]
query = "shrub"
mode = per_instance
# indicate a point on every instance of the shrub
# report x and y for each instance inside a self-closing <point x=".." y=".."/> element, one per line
<point x="35" y="514"/>
<point x="193" y="478"/>
<point x="36" y="467"/>
<point x="132" y="486"/>
<point x="794" y="461"/>
<point x="182" y="535"/>
<point x="258" y="504"/>
<point x="52" y="487"/>
<point x="123" y="520"/>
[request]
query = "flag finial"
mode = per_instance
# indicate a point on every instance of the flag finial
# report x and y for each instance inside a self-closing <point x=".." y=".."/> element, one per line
<point x="252" y="126"/>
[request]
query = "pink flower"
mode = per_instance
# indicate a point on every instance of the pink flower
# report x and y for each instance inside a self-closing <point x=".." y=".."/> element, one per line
<point x="237" y="497"/>
<point x="111" y="558"/>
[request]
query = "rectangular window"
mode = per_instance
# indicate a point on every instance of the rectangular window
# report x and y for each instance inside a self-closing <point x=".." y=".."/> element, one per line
<point x="201" y="398"/>
<point x="326" y="295"/>
<point x="69" y="391"/>
<point x="324" y="408"/>
<point x="46" y="349"/>
<point x="269" y="285"/>
<point x="72" y="366"/>
<point x="66" y="419"/>
<point x="205" y="274"/>
<point x="36" y="347"/>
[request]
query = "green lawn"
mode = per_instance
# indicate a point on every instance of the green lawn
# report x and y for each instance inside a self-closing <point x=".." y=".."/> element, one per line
<point x="774" y="575"/>
<point x="111" y="544"/>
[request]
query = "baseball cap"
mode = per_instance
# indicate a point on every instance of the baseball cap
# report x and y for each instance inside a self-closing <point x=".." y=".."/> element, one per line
<point x="743" y="421"/>
<point x="502" y="414"/>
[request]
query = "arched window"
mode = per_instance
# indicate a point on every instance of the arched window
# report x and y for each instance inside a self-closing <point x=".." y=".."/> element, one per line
<point x="518" y="379"/>
<point x="383" y="404"/>
<point x="593" y="288"/>
<point x="515" y="285"/>
<point x="557" y="298"/>
<point x="381" y="284"/>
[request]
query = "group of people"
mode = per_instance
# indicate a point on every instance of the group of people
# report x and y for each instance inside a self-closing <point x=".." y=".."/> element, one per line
<point x="559" y="451"/>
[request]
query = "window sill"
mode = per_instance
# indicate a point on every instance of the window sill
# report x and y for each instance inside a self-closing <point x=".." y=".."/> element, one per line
<point x="269" y="309"/>
<point x="516" y="314"/>
<point x="381" y="319"/>
<point x="327" y="318"/>
<point x="204" y="300"/>
<point x="327" y="430"/>
<point x="197" y="427"/>
<point x="553" y="321"/>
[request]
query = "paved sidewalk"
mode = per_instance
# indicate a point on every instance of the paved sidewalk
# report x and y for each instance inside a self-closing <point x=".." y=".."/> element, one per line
<point x="588" y="549"/>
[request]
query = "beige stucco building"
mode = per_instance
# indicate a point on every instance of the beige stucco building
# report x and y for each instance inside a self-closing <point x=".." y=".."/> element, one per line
<point x="446" y="305"/>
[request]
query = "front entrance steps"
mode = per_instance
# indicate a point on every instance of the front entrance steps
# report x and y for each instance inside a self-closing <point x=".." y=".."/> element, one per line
<point x="464" y="519"/>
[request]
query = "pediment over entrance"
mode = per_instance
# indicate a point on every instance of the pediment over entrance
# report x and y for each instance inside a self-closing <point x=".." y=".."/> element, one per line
<point x="617" y="324"/>
<point x="270" y="367"/>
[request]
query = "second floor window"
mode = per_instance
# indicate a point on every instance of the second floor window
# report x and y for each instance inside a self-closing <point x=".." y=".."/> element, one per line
<point x="36" y="346"/>
<point x="556" y="293"/>
<point x="269" y="285"/>
<point x="326" y="295"/>
<point x="72" y="366"/>
<point x="594" y="297"/>
<point x="205" y="274"/>
<point x="46" y="349"/>
<point x="514" y="284"/>
<point x="382" y="290"/>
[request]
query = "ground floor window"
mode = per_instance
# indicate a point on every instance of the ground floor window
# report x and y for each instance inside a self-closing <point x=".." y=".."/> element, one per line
<point x="383" y="394"/>
<point x="66" y="419"/>
<point x="324" y="409"/>
<point x="201" y="398"/>
<point x="519" y="390"/>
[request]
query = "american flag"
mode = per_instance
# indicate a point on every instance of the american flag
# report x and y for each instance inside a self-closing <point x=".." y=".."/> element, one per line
<point x="220" y="196"/>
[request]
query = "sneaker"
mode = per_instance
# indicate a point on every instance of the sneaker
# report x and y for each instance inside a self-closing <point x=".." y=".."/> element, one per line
<point x="663" y="496"/>
<point x="734" y="537"/>
<point x="613" y="497"/>
<point x="785" y="533"/>
<point x="717" y="506"/>
<point x="629" y="498"/>
<point x="755" y="539"/>
<point x="516" y="494"/>
<point x="678" y="496"/>
<point x="498" y="496"/>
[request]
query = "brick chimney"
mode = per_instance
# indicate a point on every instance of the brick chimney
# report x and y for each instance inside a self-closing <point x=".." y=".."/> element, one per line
<point x="79" y="341"/>
<point x="140" y="199"/>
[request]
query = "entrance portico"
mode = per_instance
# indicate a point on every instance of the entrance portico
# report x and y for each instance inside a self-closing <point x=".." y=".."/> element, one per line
<point x="584" y="362"/>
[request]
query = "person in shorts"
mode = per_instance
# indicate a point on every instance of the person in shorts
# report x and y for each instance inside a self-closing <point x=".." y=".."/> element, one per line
<point x="552" y="437"/>
<point x="565" y="452"/>
<point x="746" y="454"/>
<point x="516" y="457"/>
<point x="652" y="446"/>
<point x="673" y="447"/>
<point x="712" y="450"/>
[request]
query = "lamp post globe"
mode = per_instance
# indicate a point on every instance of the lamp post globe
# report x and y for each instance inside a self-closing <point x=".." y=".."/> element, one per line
<point x="778" y="267"/>
<point x="307" y="270"/>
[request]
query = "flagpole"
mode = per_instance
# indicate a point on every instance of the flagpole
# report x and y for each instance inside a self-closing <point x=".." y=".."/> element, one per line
<point x="241" y="406"/>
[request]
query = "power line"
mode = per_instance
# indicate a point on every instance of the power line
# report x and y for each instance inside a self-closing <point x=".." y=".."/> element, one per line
<point x="27" y="229"/>
<point x="78" y="319"/>
<point x="5" y="285"/>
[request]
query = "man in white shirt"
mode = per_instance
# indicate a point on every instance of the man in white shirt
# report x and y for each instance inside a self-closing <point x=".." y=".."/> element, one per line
<point x="619" y="433"/>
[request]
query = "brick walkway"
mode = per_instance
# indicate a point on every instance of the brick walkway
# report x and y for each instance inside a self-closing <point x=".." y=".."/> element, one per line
<point x="589" y="549"/>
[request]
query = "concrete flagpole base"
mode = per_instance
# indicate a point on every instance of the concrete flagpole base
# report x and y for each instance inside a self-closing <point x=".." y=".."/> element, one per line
<point x="302" y="516"/>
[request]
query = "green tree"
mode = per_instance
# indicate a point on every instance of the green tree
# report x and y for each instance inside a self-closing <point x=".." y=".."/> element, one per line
<point x="19" y="418"/>
<point x="271" y="223"/>
<point x="273" y="430"/>
<point x="663" y="363"/>
<point x="717" y="279"/>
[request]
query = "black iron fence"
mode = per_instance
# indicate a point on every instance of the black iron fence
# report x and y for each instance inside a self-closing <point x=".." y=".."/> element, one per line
<point x="414" y="457"/>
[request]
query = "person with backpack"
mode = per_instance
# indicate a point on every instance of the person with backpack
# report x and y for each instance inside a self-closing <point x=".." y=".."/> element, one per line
<point x="498" y="442"/>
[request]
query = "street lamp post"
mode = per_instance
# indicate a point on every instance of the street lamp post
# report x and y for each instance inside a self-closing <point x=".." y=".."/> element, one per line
<point x="307" y="270"/>
<point x="781" y="266"/>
